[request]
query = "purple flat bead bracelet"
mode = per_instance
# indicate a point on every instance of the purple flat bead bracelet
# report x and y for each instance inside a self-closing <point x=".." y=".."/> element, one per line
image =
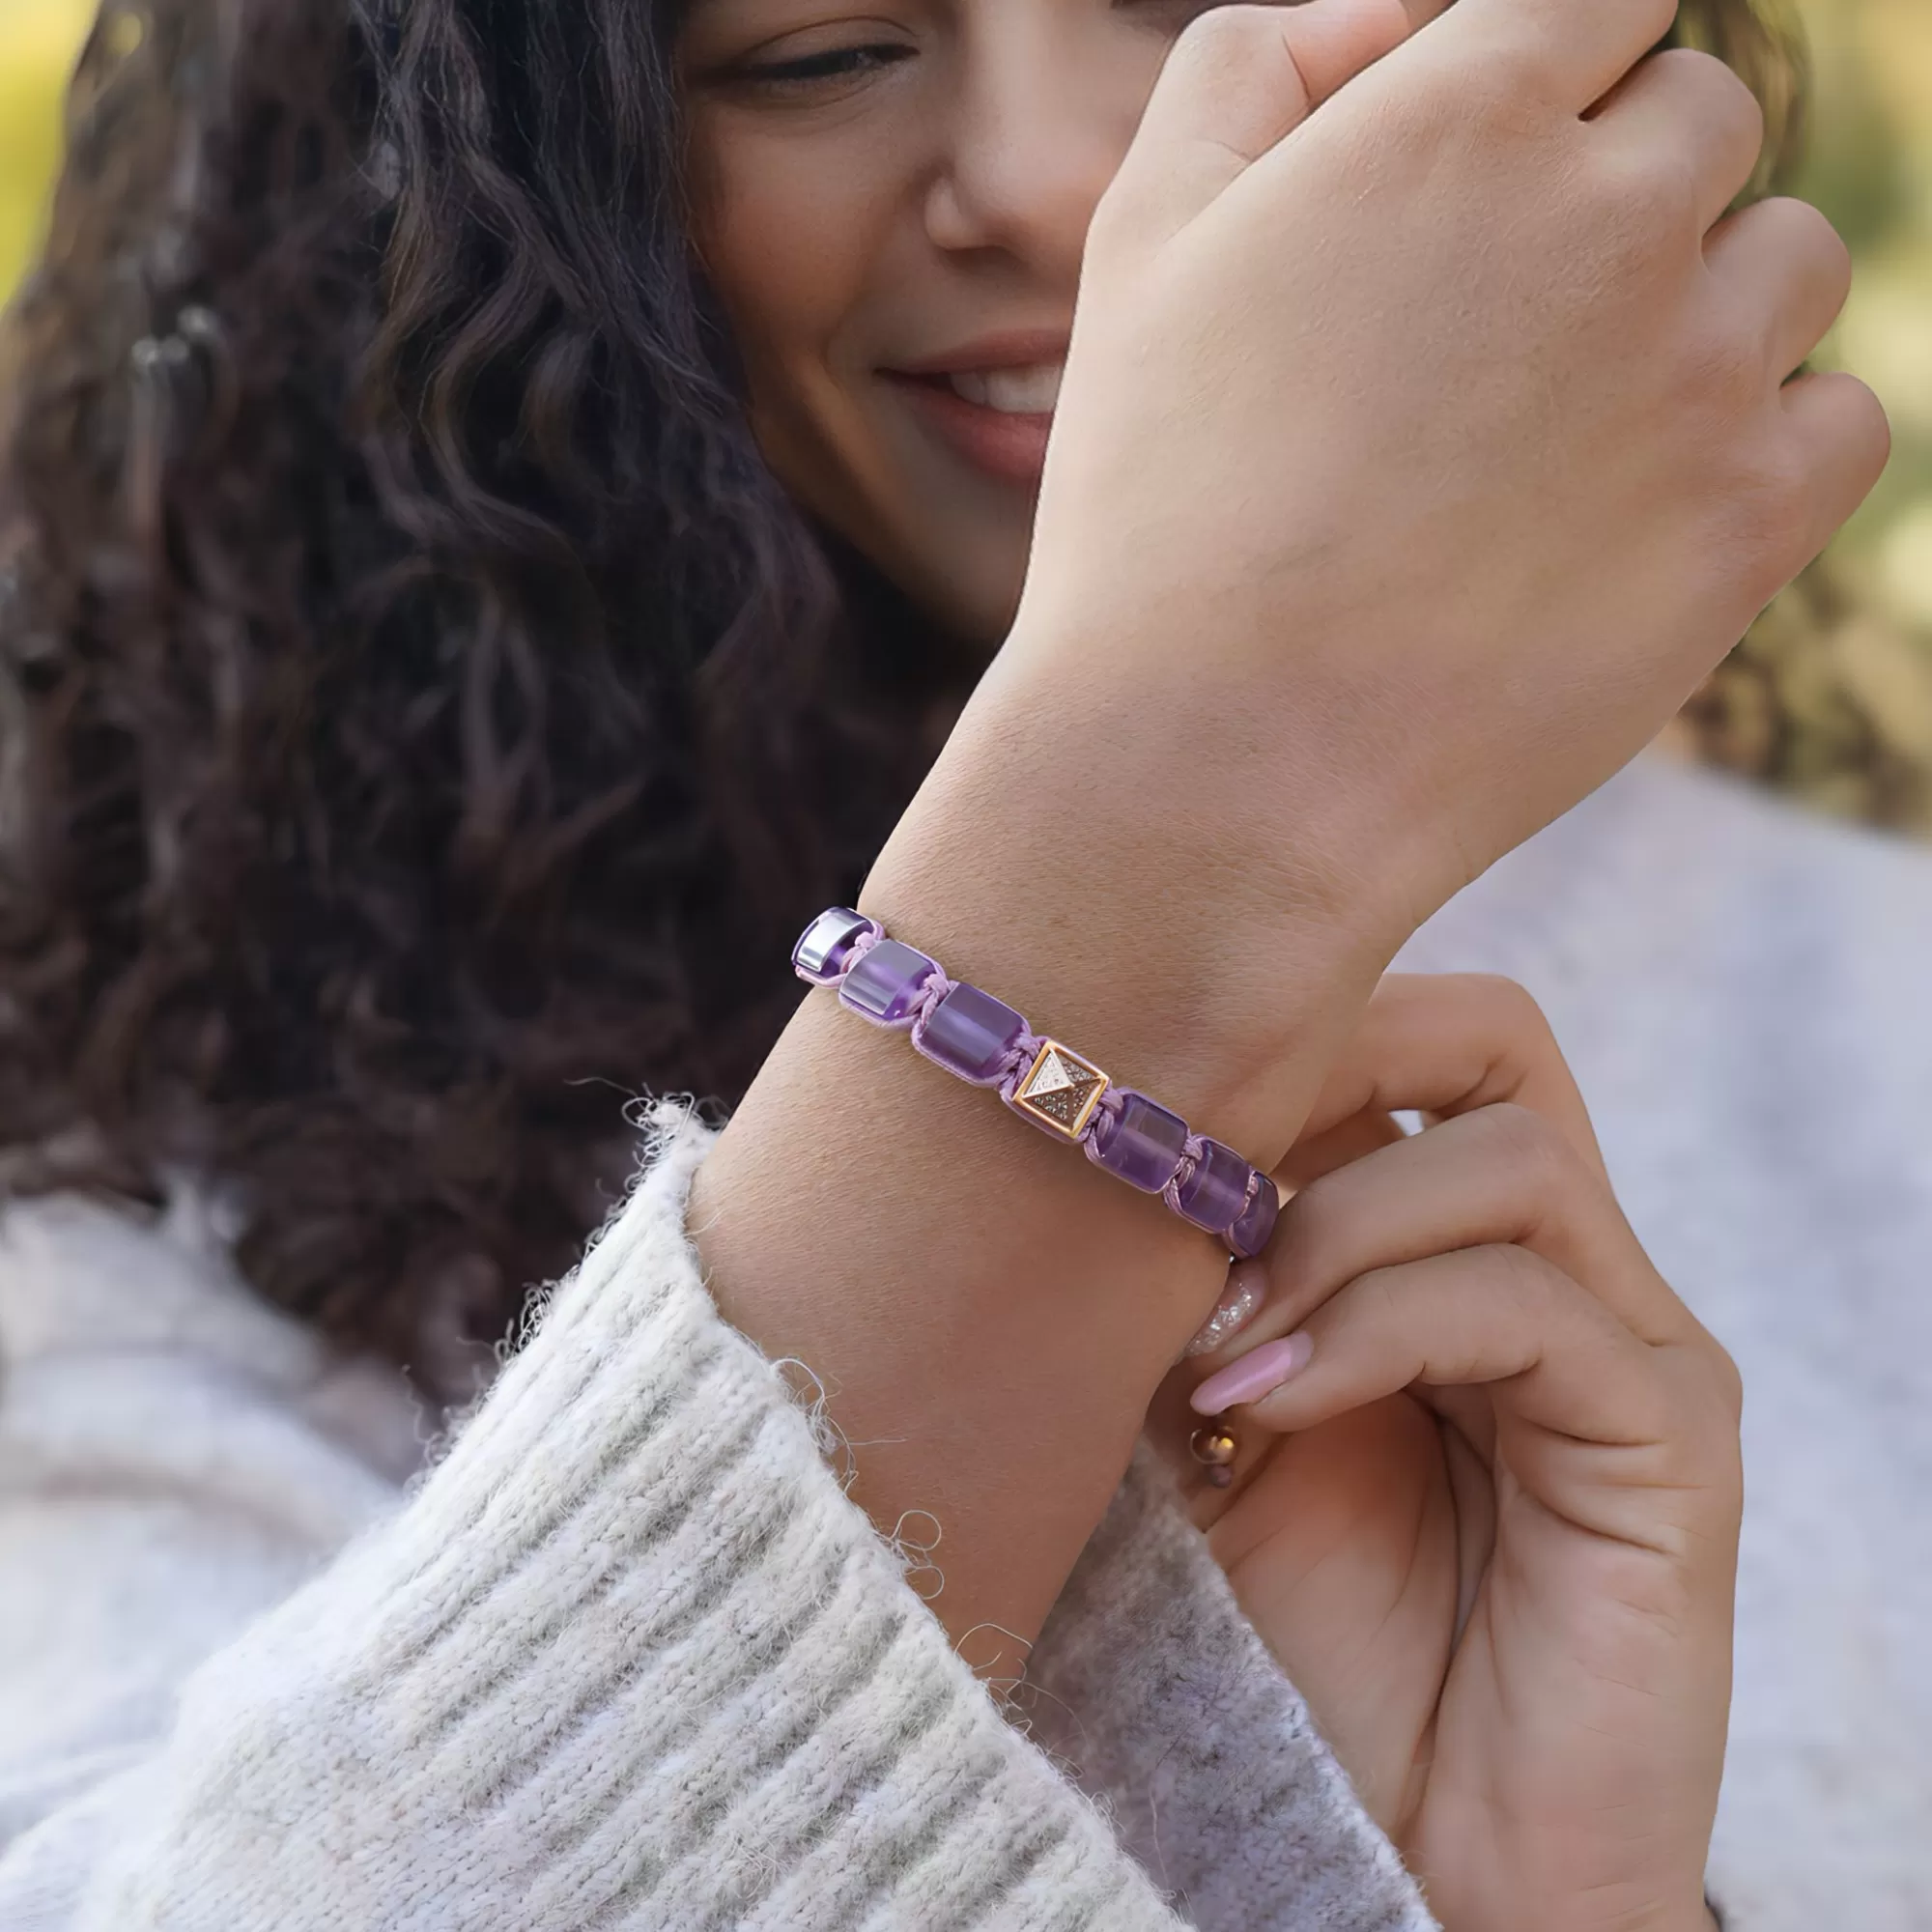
<point x="985" y="1041"/>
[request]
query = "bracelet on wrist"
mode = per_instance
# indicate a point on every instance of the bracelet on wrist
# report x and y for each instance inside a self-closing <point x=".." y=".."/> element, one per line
<point x="988" y="1043"/>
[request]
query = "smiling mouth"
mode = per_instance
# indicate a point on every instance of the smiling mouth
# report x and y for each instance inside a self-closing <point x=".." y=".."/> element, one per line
<point x="996" y="419"/>
<point x="1029" y="391"/>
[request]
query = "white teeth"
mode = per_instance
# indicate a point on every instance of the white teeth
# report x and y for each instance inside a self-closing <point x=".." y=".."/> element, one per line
<point x="1029" y="391"/>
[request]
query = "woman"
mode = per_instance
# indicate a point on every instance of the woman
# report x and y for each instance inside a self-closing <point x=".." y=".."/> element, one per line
<point x="470" y="769"/>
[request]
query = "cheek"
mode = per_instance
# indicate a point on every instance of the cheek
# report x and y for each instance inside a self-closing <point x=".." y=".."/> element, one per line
<point x="793" y="232"/>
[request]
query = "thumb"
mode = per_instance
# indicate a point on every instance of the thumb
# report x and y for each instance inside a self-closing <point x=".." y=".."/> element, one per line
<point x="1236" y="82"/>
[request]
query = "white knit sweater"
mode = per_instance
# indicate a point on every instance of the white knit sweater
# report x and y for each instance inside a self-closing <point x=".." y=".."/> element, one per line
<point x="627" y="1657"/>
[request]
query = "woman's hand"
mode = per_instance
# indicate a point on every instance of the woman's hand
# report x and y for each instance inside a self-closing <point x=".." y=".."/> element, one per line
<point x="1425" y="439"/>
<point x="1463" y="397"/>
<point x="1487" y="1508"/>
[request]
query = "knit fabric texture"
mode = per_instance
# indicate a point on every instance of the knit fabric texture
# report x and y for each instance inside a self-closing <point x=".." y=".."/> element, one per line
<point x="628" y="1657"/>
<point x="1159" y="1695"/>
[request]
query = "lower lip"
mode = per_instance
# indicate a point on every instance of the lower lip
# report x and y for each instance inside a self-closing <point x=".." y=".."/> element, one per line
<point x="1010" y="447"/>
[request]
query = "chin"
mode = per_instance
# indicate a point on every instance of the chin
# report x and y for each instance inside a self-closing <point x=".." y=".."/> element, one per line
<point x="961" y="569"/>
<point x="981" y="623"/>
<point x="973" y="589"/>
<point x="970" y="629"/>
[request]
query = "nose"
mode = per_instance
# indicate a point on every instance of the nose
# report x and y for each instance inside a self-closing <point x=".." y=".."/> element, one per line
<point x="1037" y="128"/>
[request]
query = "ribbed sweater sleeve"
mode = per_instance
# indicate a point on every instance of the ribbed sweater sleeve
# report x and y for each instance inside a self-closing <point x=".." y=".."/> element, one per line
<point x="627" y="1658"/>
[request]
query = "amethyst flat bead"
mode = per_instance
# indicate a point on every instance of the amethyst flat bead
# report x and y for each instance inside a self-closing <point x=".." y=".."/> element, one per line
<point x="885" y="983"/>
<point x="983" y="1040"/>
<point x="1143" y="1145"/>
<point x="1214" y="1194"/>
<point x="970" y="1033"/>
<point x="822" y="948"/>
<point x="1249" y="1235"/>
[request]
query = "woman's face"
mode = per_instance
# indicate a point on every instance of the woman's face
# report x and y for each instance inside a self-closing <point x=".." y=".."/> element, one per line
<point x="891" y="200"/>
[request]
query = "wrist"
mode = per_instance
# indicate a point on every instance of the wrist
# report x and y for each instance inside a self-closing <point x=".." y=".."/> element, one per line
<point x="1199" y="953"/>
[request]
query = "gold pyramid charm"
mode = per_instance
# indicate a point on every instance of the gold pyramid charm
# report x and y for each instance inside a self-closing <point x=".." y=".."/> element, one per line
<point x="1060" y="1089"/>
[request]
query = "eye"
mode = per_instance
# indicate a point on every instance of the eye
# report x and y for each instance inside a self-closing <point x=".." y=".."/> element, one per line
<point x="821" y="70"/>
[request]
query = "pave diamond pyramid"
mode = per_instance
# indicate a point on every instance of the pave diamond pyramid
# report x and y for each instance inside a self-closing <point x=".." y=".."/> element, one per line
<point x="1060" y="1088"/>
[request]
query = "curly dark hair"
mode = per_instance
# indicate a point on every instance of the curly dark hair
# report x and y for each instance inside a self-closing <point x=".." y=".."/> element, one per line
<point x="424" y="713"/>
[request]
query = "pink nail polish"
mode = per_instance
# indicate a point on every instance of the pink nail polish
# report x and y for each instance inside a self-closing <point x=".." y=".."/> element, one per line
<point x="1264" y="1369"/>
<point x="1240" y="1301"/>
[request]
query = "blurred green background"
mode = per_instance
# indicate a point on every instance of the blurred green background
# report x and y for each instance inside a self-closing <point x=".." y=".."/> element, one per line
<point x="39" y="40"/>
<point x="1831" y="696"/>
<point x="1871" y="170"/>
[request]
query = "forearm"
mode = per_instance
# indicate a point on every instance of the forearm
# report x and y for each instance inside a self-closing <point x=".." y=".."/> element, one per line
<point x="989" y="1314"/>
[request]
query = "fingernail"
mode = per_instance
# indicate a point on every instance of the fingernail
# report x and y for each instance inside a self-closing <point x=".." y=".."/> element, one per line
<point x="1255" y="1373"/>
<point x="1241" y="1300"/>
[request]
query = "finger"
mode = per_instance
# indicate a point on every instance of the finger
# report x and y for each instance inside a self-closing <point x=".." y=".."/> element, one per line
<point x="1245" y="1291"/>
<point x="1688" y="111"/>
<point x="1786" y="268"/>
<point x="1502" y="1176"/>
<point x="1237" y="80"/>
<point x="1448" y="1043"/>
<point x="1573" y="51"/>
<point x="1315" y="1155"/>
<point x="1444" y="1045"/>
<point x="1471" y="1419"/>
<point x="1502" y="1318"/>
<point x="1841" y="442"/>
